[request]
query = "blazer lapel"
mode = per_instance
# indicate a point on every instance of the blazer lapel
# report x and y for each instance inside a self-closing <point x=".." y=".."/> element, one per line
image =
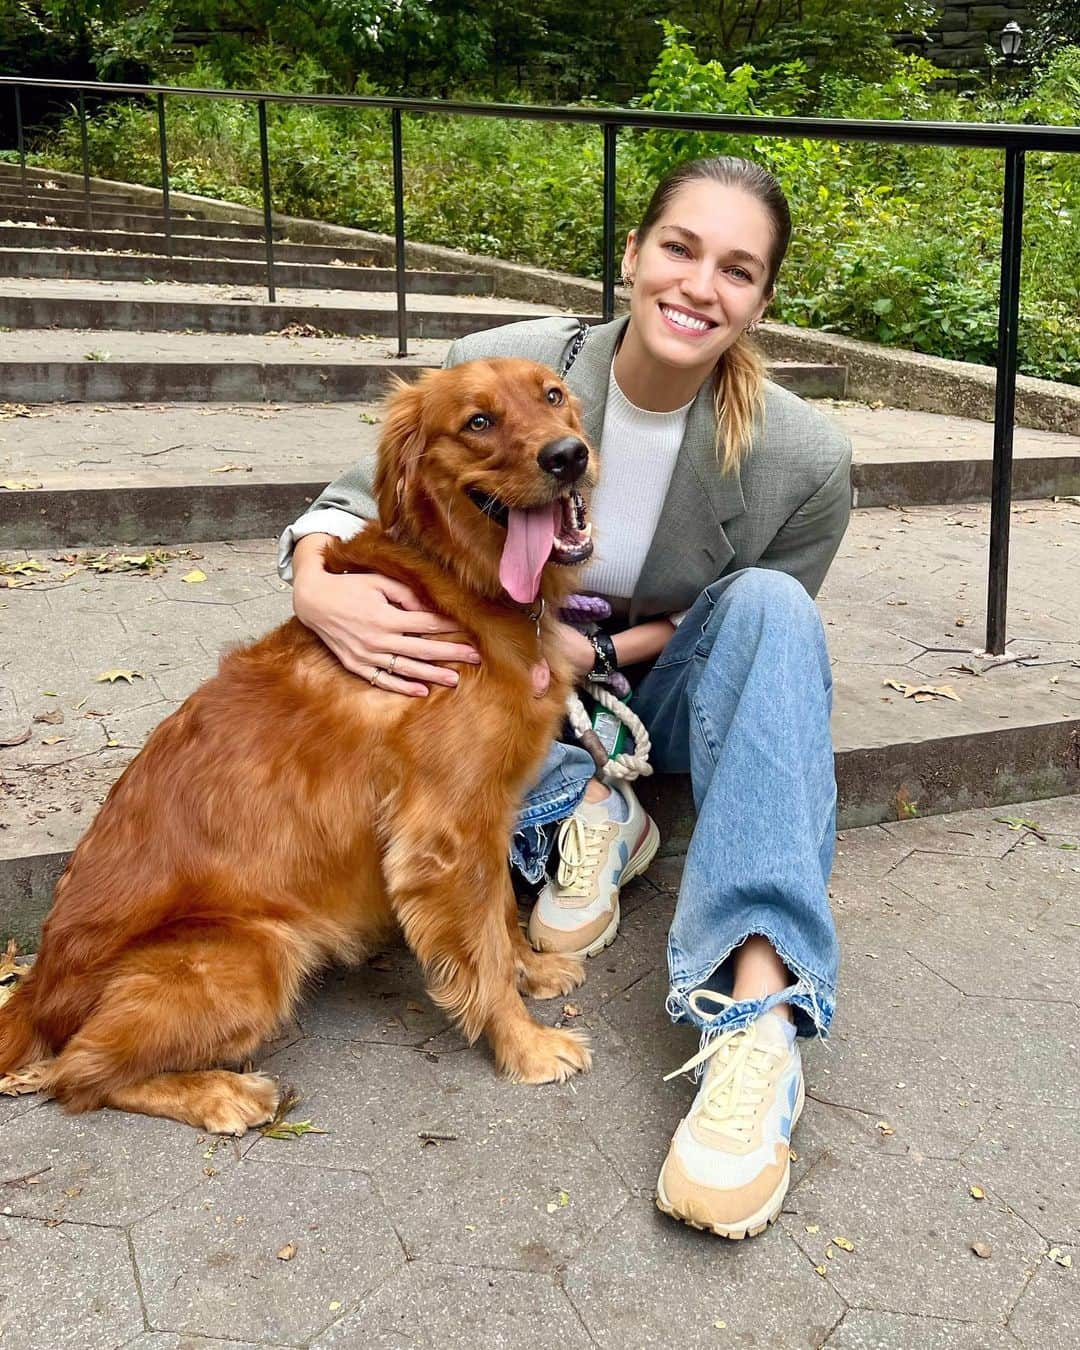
<point x="690" y="549"/>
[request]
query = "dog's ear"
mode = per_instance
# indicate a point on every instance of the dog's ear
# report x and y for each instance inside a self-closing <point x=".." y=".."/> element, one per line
<point x="401" y="445"/>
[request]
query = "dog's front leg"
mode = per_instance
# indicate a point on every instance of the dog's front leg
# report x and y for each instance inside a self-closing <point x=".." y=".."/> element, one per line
<point x="453" y="912"/>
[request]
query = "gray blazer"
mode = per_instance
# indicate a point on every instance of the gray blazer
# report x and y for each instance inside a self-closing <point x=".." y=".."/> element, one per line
<point x="787" y="508"/>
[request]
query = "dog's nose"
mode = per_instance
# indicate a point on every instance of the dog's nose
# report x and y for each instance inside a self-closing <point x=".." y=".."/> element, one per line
<point x="565" y="459"/>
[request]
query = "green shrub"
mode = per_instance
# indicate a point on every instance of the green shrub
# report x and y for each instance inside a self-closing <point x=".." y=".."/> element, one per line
<point x="897" y="244"/>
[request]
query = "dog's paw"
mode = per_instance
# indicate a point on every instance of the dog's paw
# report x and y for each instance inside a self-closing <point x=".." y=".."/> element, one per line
<point x="545" y="1055"/>
<point x="246" y="1099"/>
<point x="31" y="1078"/>
<point x="549" y="975"/>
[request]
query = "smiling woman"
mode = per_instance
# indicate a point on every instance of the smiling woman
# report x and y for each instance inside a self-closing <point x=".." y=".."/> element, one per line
<point x="721" y="501"/>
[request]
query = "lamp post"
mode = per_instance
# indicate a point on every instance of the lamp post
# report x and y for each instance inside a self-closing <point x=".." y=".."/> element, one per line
<point x="1011" y="37"/>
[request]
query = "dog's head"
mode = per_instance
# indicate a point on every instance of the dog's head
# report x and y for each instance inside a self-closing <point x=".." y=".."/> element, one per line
<point x="484" y="467"/>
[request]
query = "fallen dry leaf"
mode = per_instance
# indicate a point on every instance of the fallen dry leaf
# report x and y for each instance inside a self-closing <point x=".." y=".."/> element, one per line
<point x="287" y="1252"/>
<point x="194" y="576"/>
<point x="977" y="1193"/>
<point x="923" y="693"/>
<point x="113" y="675"/>
<point x="982" y="1250"/>
<point x="571" y="1010"/>
<point x="1061" y="1258"/>
<point x="52" y="719"/>
<point x="15" y="738"/>
<point x="845" y="1244"/>
<point x="885" y="1127"/>
<point x="813" y="1228"/>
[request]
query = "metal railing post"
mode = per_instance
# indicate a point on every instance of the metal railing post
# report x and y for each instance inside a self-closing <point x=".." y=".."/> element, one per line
<point x="22" y="141"/>
<point x="611" y="131"/>
<point x="399" y="233"/>
<point x="85" y="161"/>
<point x="268" y="222"/>
<point x="1012" y="225"/>
<point x="163" y="147"/>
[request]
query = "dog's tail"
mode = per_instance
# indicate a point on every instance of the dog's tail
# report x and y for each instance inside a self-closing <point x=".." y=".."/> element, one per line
<point x="20" y="1041"/>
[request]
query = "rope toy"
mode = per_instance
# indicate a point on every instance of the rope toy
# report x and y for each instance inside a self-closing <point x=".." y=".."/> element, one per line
<point x="585" y="612"/>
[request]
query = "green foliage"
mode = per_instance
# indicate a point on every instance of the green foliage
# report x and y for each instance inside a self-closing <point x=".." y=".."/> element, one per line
<point x="895" y="244"/>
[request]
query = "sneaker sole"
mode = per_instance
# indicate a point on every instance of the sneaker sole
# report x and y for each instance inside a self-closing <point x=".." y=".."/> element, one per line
<point x="754" y="1223"/>
<point x="634" y="868"/>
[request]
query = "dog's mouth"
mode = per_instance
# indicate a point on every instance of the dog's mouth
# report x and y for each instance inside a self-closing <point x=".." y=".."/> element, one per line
<point x="557" y="532"/>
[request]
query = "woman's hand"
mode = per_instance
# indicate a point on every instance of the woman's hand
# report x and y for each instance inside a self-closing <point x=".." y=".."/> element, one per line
<point x="366" y="620"/>
<point x="577" y="649"/>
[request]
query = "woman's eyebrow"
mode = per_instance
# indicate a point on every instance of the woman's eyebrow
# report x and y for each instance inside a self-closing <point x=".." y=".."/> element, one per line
<point x="740" y="253"/>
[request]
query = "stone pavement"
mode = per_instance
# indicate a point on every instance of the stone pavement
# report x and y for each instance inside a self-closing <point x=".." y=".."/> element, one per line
<point x="443" y="1207"/>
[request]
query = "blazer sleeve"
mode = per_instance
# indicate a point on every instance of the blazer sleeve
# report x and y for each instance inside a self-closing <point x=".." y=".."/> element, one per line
<point x="342" y="508"/>
<point x="807" y="542"/>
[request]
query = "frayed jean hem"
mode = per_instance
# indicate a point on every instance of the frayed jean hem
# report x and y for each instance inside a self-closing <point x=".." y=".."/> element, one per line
<point x="812" y="999"/>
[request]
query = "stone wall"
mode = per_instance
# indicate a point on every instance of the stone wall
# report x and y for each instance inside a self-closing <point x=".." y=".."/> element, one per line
<point x="963" y="28"/>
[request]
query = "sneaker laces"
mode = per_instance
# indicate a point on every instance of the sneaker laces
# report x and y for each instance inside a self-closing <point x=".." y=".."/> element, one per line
<point x="581" y="845"/>
<point x="738" y="1077"/>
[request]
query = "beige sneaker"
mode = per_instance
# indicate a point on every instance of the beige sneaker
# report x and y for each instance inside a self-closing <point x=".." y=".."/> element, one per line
<point x="578" y="914"/>
<point x="729" y="1164"/>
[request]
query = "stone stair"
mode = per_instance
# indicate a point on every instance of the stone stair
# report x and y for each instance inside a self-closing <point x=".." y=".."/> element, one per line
<point x="157" y="401"/>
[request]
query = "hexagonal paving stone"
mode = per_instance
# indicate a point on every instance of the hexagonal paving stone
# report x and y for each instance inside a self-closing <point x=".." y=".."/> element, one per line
<point x="966" y="832"/>
<point x="1047" y="1316"/>
<point x="855" y="1081"/>
<point x="518" y="1185"/>
<point x="208" y="1261"/>
<point x="1027" y="1156"/>
<point x="225" y="584"/>
<point x="649" y="1282"/>
<point x="989" y="954"/>
<point x="961" y="885"/>
<point x="883" y="991"/>
<point x="369" y="1099"/>
<point x="863" y="1330"/>
<point x="1012" y="1050"/>
<point x="106" y="1167"/>
<point x="70" y="1286"/>
<point x="912" y="1226"/>
<point x="430" y="1307"/>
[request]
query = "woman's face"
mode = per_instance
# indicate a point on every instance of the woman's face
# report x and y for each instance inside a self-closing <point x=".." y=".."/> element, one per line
<point x="699" y="275"/>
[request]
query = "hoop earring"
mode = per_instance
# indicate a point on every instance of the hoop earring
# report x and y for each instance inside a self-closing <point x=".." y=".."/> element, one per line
<point x="751" y="327"/>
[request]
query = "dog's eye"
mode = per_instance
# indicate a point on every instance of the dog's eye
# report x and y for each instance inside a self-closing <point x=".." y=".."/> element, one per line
<point x="554" y="396"/>
<point x="479" y="422"/>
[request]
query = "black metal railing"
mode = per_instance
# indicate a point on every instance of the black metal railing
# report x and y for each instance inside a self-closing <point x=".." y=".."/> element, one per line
<point x="1014" y="139"/>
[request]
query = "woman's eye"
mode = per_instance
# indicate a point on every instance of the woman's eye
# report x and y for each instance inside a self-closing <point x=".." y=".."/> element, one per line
<point x="480" y="422"/>
<point x="741" y="274"/>
<point x="681" y="249"/>
<point x="555" y="396"/>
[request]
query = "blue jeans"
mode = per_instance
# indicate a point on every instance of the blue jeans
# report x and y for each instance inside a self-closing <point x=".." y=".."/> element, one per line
<point x="740" y="699"/>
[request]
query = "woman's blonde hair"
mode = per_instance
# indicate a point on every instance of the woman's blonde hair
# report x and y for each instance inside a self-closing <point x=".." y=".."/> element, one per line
<point x="740" y="372"/>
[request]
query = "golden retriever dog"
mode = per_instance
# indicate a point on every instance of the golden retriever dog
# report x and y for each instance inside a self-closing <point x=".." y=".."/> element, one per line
<point x="290" y="814"/>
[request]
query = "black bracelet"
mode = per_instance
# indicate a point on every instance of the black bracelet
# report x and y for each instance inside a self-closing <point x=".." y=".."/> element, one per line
<point x="607" y="660"/>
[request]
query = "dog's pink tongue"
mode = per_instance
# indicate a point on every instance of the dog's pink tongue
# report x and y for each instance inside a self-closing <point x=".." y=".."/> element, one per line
<point x="529" y="536"/>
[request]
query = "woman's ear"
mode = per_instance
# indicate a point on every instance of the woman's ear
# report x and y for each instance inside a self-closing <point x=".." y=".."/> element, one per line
<point x="629" y="257"/>
<point x="400" y="448"/>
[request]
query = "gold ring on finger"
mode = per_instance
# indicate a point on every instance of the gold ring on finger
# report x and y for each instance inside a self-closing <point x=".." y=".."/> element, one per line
<point x="392" y="664"/>
<point x="373" y="678"/>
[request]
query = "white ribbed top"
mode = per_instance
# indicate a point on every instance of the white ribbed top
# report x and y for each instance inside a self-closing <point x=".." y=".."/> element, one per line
<point x="638" y="450"/>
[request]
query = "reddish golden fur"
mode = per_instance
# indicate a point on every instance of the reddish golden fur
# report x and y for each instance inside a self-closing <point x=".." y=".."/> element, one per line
<point x="290" y="814"/>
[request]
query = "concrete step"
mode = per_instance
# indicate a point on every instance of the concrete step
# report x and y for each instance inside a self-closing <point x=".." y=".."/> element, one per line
<point x="61" y="367"/>
<point x="71" y="199"/>
<point x="137" y="221"/>
<point x="190" y="472"/>
<point x="120" y="267"/>
<point x="179" y="307"/>
<point x="185" y="245"/>
<point x="917" y="459"/>
<point x="903" y="601"/>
